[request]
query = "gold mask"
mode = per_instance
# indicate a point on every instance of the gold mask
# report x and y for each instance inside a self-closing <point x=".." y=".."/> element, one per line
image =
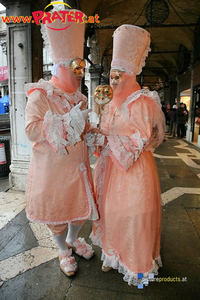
<point x="77" y="66"/>
<point x="115" y="77"/>
<point x="103" y="94"/>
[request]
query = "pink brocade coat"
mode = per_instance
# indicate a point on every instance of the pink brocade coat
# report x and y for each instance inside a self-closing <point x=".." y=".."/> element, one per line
<point x="59" y="186"/>
<point x="128" y="189"/>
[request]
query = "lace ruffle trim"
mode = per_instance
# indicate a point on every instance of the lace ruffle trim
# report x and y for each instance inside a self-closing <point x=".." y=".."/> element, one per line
<point x="100" y="171"/>
<point x="134" y="96"/>
<point x="53" y="127"/>
<point x="126" y="150"/>
<point x="142" y="63"/>
<point x="93" y="214"/>
<point x="57" y="126"/>
<point x="54" y="94"/>
<point x="45" y="38"/>
<point x="78" y="124"/>
<point x="113" y="261"/>
<point x="96" y="240"/>
<point x="119" y="153"/>
<point x="124" y="66"/>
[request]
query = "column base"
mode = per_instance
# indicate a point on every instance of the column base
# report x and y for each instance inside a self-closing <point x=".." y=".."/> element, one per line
<point x="18" y="175"/>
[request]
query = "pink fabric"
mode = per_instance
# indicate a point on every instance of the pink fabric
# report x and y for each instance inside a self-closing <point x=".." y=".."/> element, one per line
<point x="66" y="80"/>
<point x="67" y="261"/>
<point x="59" y="187"/>
<point x="65" y="39"/>
<point x="83" y="249"/>
<point x="130" y="48"/>
<point x="129" y="198"/>
<point x="121" y="91"/>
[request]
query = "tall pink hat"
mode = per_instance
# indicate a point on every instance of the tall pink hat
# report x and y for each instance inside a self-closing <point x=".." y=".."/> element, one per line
<point x="131" y="45"/>
<point x="64" y="40"/>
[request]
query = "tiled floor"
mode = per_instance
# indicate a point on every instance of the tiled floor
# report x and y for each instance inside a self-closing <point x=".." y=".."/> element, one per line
<point x="28" y="255"/>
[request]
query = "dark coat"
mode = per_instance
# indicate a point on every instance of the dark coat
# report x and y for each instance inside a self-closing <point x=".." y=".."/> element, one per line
<point x="172" y="115"/>
<point x="180" y="116"/>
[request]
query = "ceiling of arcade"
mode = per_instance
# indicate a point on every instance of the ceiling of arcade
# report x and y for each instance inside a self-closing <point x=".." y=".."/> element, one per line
<point x="171" y="23"/>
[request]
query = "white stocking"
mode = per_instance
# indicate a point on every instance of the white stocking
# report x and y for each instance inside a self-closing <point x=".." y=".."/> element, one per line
<point x="60" y="240"/>
<point x="72" y="234"/>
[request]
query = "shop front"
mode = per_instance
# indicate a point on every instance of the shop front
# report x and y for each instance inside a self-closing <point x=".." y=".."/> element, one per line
<point x="195" y="107"/>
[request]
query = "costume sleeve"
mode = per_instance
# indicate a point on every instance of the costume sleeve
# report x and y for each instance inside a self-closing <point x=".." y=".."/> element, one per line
<point x="147" y="118"/>
<point x="124" y="150"/>
<point x="147" y="123"/>
<point x="58" y="131"/>
<point x="35" y="111"/>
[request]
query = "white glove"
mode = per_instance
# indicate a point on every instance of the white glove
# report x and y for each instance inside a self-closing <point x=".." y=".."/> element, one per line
<point x="78" y="120"/>
<point x="83" y="112"/>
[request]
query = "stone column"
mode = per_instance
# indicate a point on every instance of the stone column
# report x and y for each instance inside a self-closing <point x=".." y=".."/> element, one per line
<point x="172" y="92"/>
<point x="24" y="65"/>
<point x="95" y="73"/>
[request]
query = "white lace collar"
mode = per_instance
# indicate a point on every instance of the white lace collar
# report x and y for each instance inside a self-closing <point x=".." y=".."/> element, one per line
<point x="134" y="96"/>
<point x="56" y="95"/>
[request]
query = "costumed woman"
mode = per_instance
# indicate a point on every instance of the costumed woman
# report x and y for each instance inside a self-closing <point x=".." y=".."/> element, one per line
<point x="126" y="178"/>
<point x="59" y="185"/>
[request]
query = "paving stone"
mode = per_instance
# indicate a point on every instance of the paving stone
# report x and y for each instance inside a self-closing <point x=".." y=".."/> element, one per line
<point x="194" y="215"/>
<point x="91" y="276"/>
<point x="10" y="230"/>
<point x="22" y="241"/>
<point x="197" y="161"/>
<point x="180" y="241"/>
<point x="4" y="184"/>
<point x="166" y="184"/>
<point x="192" y="182"/>
<point x="175" y="211"/>
<point x="180" y="248"/>
<point x="191" y="200"/>
<point x="45" y="282"/>
<point x="178" y="290"/>
<point x="77" y="292"/>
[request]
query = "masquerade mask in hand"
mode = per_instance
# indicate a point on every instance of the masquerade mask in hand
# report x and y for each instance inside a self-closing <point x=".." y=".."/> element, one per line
<point x="103" y="94"/>
<point x="77" y="66"/>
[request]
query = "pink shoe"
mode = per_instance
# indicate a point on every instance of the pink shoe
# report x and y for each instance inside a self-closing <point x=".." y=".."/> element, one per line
<point x="81" y="248"/>
<point x="68" y="265"/>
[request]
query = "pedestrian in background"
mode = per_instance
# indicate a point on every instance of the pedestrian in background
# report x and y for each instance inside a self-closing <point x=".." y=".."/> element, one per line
<point x="172" y="115"/>
<point x="186" y="113"/>
<point x="180" y="120"/>
<point x="167" y="112"/>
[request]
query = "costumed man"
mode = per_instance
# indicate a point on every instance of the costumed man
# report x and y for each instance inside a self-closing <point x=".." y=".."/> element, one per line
<point x="126" y="179"/>
<point x="59" y="185"/>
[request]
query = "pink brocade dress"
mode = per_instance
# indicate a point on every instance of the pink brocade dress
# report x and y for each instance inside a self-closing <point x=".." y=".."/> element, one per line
<point x="128" y="189"/>
<point x="59" y="184"/>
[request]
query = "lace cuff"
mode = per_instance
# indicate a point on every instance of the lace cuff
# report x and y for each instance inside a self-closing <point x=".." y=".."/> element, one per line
<point x="125" y="150"/>
<point x="77" y="122"/>
<point x="119" y="155"/>
<point x="58" y="127"/>
<point x="53" y="128"/>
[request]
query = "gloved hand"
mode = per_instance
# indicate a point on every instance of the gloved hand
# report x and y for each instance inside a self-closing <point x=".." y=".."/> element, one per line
<point x="84" y="112"/>
<point x="78" y="117"/>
